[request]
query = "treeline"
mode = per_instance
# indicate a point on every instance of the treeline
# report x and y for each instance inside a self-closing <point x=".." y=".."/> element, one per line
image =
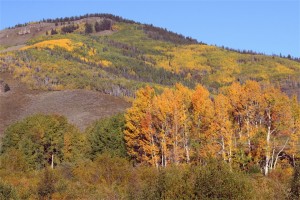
<point x="150" y="30"/>
<point x="153" y="32"/>
<point x="251" y="52"/>
<point x="163" y="34"/>
<point x="75" y="18"/>
<point x="247" y="126"/>
<point x="64" y="20"/>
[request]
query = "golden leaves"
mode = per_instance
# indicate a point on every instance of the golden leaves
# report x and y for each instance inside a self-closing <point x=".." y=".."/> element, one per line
<point x="66" y="44"/>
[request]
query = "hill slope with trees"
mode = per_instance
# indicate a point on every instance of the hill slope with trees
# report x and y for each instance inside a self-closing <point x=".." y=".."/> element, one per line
<point x="117" y="56"/>
<point x="204" y="123"/>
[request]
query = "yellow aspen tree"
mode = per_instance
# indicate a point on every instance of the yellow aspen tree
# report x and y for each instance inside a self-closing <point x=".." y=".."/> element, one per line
<point x="235" y="94"/>
<point x="173" y="124"/>
<point x="139" y="135"/>
<point x="202" y="115"/>
<point x="277" y="122"/>
<point x="222" y="127"/>
<point x="295" y="132"/>
<point x="163" y="124"/>
<point x="245" y="102"/>
<point x="183" y="120"/>
<point x="251" y="113"/>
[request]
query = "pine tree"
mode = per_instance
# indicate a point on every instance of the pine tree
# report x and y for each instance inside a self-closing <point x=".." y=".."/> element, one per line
<point x="88" y="28"/>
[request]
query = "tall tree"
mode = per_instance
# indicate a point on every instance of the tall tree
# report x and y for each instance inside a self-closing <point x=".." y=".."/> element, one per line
<point x="202" y="115"/>
<point x="245" y="101"/>
<point x="295" y="129"/>
<point x="106" y="136"/>
<point x="222" y="127"/>
<point x="277" y="121"/>
<point x="139" y="135"/>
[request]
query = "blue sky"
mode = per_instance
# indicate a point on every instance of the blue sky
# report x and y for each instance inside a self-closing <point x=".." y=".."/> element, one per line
<point x="267" y="26"/>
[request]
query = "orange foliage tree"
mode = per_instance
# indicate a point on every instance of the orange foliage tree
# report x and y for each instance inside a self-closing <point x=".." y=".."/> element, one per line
<point x="242" y="124"/>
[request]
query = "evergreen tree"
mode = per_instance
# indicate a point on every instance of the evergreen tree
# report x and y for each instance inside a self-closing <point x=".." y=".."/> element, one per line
<point x="88" y="28"/>
<point x="106" y="136"/>
<point x="97" y="27"/>
<point x="53" y="31"/>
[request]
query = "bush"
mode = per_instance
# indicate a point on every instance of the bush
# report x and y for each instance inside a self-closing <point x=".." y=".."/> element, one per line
<point x="295" y="186"/>
<point x="7" y="191"/>
<point x="216" y="181"/>
<point x="46" y="185"/>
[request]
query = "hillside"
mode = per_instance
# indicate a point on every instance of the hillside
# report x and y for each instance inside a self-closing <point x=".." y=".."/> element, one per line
<point x="79" y="106"/>
<point x="124" y="55"/>
<point x="194" y="121"/>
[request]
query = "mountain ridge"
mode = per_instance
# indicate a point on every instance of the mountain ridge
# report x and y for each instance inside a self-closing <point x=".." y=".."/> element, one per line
<point x="121" y="19"/>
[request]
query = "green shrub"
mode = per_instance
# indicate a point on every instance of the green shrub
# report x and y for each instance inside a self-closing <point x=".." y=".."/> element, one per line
<point x="7" y="191"/>
<point x="46" y="185"/>
<point x="295" y="186"/>
<point x="217" y="181"/>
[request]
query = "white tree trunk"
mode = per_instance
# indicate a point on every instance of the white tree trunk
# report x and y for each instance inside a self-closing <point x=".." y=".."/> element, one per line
<point x="277" y="156"/>
<point x="268" y="144"/>
<point x="52" y="162"/>
<point x="267" y="152"/>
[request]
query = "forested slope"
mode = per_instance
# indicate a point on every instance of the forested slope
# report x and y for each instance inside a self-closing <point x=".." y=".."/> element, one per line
<point x="205" y="122"/>
<point x="116" y="56"/>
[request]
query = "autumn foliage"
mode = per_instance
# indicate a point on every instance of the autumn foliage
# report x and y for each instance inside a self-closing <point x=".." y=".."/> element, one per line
<point x="244" y="124"/>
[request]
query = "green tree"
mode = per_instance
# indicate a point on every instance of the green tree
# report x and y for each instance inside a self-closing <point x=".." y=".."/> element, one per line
<point x="97" y="27"/>
<point x="217" y="181"/>
<point x="41" y="139"/>
<point x="88" y="28"/>
<point x="106" y="135"/>
<point x="53" y="31"/>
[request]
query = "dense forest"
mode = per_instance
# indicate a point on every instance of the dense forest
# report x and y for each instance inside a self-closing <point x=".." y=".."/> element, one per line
<point x="205" y="122"/>
<point x="242" y="143"/>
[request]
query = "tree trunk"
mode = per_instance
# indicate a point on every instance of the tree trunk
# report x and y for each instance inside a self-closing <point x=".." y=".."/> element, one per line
<point x="187" y="151"/>
<point x="268" y="144"/>
<point x="52" y="162"/>
<point x="223" y="149"/>
<point x="277" y="156"/>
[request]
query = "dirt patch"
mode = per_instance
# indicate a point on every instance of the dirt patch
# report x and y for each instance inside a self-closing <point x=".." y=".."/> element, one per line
<point x="20" y="35"/>
<point x="14" y="37"/>
<point x="81" y="107"/>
